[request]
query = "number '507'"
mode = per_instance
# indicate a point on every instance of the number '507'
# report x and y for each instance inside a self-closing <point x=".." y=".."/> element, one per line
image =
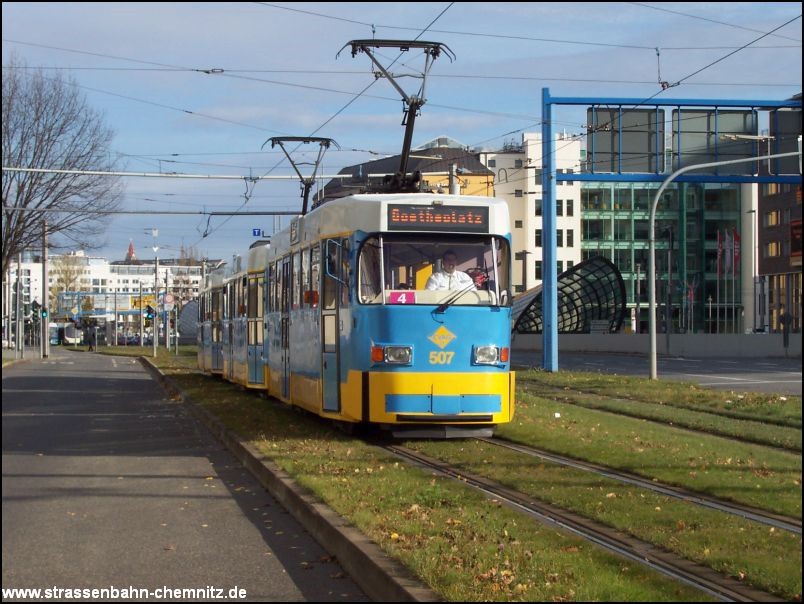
<point x="440" y="357"/>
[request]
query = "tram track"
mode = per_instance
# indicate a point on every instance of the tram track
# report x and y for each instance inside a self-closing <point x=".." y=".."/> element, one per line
<point x="784" y="423"/>
<point x="670" y="564"/>
<point x="562" y="396"/>
<point x="778" y="521"/>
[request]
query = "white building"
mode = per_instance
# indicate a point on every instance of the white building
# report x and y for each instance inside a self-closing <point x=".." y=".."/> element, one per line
<point x="82" y="285"/>
<point x="30" y="287"/>
<point x="518" y="180"/>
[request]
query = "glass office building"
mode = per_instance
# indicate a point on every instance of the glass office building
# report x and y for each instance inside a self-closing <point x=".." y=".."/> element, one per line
<point x="690" y="221"/>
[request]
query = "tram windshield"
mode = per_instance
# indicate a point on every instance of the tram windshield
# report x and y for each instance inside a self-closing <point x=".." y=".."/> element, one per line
<point x="466" y="270"/>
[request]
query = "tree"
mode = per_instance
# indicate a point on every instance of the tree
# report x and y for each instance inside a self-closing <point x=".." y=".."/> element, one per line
<point x="48" y="124"/>
<point x="66" y="272"/>
<point x="87" y="303"/>
<point x="182" y="283"/>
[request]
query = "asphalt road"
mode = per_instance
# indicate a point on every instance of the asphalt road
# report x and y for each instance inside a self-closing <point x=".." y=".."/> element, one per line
<point x="106" y="483"/>
<point x="777" y="375"/>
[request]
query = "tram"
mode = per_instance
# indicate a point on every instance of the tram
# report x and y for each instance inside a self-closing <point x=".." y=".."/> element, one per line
<point x="210" y="325"/>
<point x="337" y="315"/>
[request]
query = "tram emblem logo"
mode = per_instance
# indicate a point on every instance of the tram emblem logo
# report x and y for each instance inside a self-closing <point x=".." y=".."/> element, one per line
<point x="442" y="336"/>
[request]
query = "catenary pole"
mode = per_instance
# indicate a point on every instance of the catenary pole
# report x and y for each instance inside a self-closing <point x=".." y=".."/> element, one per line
<point x="652" y="240"/>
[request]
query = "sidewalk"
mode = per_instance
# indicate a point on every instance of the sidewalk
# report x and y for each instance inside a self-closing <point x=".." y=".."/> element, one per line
<point x="382" y="578"/>
<point x="109" y="483"/>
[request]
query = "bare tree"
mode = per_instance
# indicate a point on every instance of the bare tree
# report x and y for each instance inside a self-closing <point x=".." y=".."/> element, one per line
<point x="66" y="272"/>
<point x="48" y="124"/>
<point x="189" y="256"/>
<point x="182" y="283"/>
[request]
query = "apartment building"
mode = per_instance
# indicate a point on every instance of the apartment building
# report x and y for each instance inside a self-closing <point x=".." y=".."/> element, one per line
<point x="517" y="169"/>
<point x="81" y="285"/>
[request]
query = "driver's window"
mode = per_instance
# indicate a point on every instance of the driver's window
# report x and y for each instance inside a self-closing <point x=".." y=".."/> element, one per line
<point x="369" y="285"/>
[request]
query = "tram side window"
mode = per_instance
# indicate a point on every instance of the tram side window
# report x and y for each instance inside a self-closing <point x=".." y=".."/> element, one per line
<point x="235" y="296"/>
<point x="217" y="297"/>
<point x="369" y="284"/>
<point x="345" y="272"/>
<point x="304" y="283"/>
<point x="260" y="310"/>
<point x="230" y="300"/>
<point x="255" y="286"/>
<point x="242" y="291"/>
<point x="269" y="288"/>
<point x="284" y="286"/>
<point x="330" y="286"/>
<point x="276" y="284"/>
<point x="253" y="298"/>
<point x="276" y="270"/>
<point x="315" y="274"/>
<point x="296" y="285"/>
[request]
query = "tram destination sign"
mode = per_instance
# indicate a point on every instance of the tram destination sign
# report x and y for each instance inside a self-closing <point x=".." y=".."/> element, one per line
<point x="458" y="219"/>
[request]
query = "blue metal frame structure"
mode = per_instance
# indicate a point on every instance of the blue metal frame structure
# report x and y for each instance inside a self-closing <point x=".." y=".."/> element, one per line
<point x="550" y="177"/>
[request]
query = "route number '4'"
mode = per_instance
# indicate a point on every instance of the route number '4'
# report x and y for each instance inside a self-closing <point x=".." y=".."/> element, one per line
<point x="403" y="297"/>
<point x="440" y="357"/>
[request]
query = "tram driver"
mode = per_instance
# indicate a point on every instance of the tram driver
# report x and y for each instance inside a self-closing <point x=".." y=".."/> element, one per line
<point x="449" y="277"/>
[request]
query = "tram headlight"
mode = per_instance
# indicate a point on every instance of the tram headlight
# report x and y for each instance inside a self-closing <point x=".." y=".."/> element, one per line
<point x="489" y="355"/>
<point x="394" y="355"/>
<point x="399" y="355"/>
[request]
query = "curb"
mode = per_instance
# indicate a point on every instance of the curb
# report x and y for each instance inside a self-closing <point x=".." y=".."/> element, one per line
<point x="382" y="578"/>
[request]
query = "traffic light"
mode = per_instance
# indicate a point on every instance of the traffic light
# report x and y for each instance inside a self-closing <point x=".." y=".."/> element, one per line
<point x="44" y="312"/>
<point x="149" y="312"/>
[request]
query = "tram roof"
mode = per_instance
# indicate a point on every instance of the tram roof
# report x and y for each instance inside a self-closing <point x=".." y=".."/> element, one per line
<point x="258" y="257"/>
<point x="369" y="212"/>
<point x="216" y="278"/>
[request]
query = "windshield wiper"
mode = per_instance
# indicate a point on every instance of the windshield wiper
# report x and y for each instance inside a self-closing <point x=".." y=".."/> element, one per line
<point x="454" y="298"/>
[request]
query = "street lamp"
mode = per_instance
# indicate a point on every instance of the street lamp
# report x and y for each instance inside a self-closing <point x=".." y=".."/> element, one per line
<point x="155" y="321"/>
<point x="754" y="257"/>
<point x="668" y="309"/>
<point x="652" y="241"/>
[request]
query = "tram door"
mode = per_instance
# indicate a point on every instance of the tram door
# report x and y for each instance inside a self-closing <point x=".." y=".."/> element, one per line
<point x="217" y="330"/>
<point x="286" y="287"/>
<point x="229" y="330"/>
<point x="254" y="333"/>
<point x="330" y="318"/>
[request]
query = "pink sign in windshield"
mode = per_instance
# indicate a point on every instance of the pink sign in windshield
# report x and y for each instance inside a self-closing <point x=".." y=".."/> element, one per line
<point x="395" y="297"/>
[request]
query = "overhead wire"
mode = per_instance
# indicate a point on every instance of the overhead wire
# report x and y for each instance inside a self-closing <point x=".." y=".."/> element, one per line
<point x="342" y="109"/>
<point x="498" y="36"/>
<point x="432" y="105"/>
<point x="699" y="17"/>
<point x="475" y="76"/>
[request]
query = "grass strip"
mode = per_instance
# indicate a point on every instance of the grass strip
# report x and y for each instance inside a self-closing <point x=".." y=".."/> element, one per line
<point x="465" y="546"/>
<point x="781" y="409"/>
<point x="469" y="548"/>
<point x="749" y="430"/>
<point x="766" y="558"/>
<point x="751" y="474"/>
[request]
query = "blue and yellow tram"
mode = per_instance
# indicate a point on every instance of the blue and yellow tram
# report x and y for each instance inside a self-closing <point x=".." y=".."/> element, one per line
<point x="340" y="314"/>
<point x="210" y="323"/>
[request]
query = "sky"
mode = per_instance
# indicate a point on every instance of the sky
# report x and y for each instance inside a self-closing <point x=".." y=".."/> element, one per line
<point x="200" y="88"/>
